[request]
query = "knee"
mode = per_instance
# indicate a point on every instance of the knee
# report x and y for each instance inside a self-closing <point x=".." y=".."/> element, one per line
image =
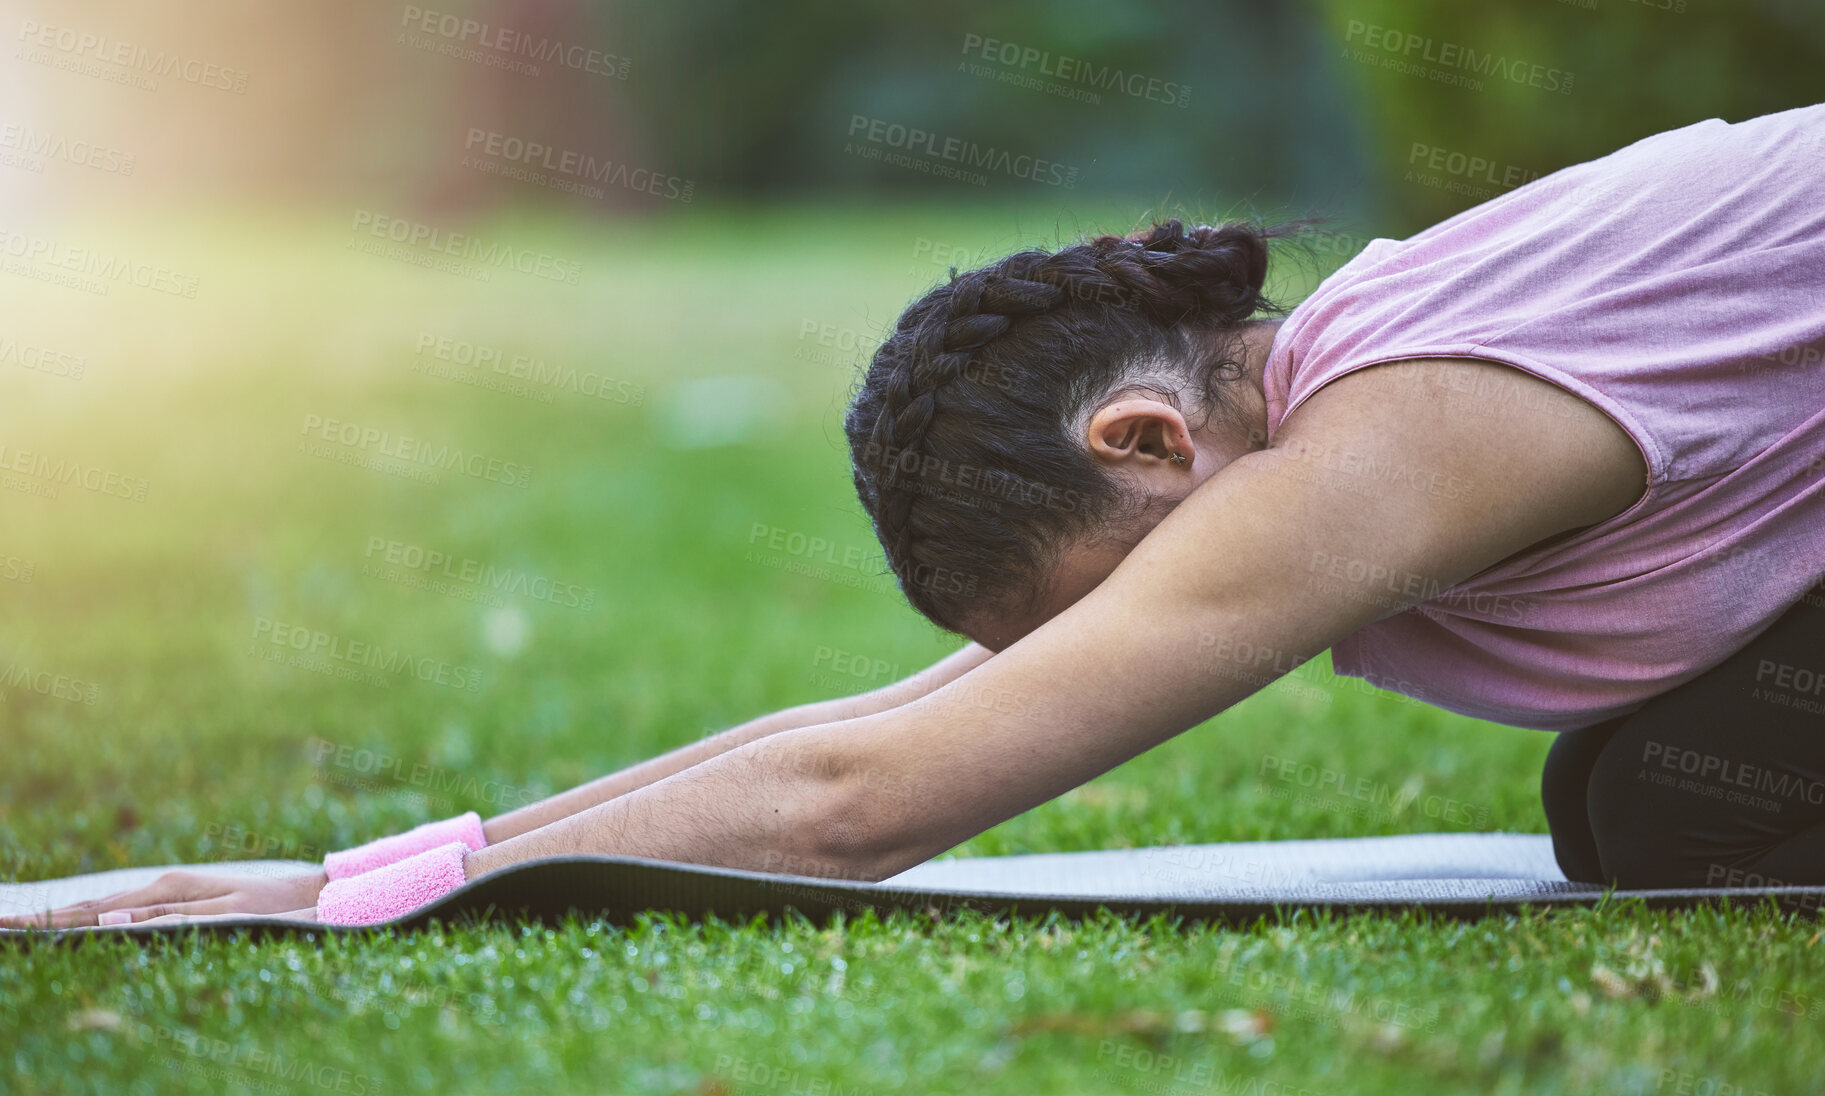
<point x="1564" y="782"/>
<point x="1647" y="836"/>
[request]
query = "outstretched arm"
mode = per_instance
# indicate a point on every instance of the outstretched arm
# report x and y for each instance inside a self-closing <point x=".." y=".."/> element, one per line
<point x="564" y="804"/>
<point x="1155" y="649"/>
<point x="189" y="894"/>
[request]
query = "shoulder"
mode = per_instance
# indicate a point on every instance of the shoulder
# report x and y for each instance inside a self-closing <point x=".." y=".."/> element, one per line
<point x="1500" y="442"/>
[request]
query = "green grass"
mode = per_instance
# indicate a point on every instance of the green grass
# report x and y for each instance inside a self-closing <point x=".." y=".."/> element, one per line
<point x="193" y="749"/>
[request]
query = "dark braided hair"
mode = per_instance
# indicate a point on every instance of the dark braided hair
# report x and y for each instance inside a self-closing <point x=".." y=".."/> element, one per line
<point x="965" y="430"/>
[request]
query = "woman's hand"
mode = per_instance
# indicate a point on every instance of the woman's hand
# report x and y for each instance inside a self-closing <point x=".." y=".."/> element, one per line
<point x="192" y="918"/>
<point x="188" y="894"/>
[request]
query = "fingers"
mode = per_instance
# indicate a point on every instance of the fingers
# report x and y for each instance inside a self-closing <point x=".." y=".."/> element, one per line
<point x="169" y="913"/>
<point x="171" y="887"/>
<point x="181" y="918"/>
<point x="174" y="893"/>
<point x="226" y="915"/>
<point x="63" y="918"/>
<point x="161" y="911"/>
<point x="37" y="919"/>
<point x="84" y="913"/>
<point x="133" y="915"/>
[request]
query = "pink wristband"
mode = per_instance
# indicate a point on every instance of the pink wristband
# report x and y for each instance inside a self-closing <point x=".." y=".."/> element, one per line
<point x="393" y="890"/>
<point x="466" y="828"/>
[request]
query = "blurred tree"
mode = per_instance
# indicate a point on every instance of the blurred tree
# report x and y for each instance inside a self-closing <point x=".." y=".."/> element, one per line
<point x="1386" y="114"/>
<point x="1220" y="100"/>
<point x="1634" y="68"/>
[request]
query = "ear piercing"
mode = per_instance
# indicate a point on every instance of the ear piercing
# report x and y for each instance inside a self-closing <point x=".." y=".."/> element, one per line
<point x="1177" y="458"/>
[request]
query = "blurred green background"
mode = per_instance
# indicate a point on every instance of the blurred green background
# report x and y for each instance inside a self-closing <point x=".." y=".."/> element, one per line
<point x="229" y="237"/>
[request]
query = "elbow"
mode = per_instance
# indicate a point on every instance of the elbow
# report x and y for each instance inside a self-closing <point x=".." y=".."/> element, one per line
<point x="851" y="824"/>
<point x="845" y="850"/>
<point x="861" y="835"/>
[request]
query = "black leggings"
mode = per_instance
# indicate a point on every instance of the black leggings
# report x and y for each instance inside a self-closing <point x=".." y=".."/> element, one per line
<point x="1719" y="782"/>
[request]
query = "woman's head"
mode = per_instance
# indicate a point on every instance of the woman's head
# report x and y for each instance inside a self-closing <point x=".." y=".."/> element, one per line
<point x="990" y="435"/>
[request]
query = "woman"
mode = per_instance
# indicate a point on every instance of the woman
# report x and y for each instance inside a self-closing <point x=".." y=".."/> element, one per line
<point x="1554" y="462"/>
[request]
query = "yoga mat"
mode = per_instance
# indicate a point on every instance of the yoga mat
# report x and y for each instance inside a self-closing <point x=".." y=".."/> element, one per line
<point x="1457" y="874"/>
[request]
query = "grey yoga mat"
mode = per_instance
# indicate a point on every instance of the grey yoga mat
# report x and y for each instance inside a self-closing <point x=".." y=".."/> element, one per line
<point x="1456" y="874"/>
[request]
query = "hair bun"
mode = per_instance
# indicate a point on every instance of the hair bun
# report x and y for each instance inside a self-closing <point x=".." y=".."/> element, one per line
<point x="1206" y="274"/>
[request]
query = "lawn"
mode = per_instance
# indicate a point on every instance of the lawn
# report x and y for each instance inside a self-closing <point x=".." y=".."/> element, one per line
<point x="653" y="457"/>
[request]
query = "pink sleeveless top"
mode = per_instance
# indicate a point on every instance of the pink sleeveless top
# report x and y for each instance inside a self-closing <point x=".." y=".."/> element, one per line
<point x="1677" y="284"/>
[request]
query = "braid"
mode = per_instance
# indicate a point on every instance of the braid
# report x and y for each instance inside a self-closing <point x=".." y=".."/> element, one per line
<point x="1208" y="275"/>
<point x="981" y="306"/>
<point x="1043" y="329"/>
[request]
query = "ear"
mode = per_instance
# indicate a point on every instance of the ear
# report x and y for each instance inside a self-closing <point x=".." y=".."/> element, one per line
<point x="1139" y="432"/>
